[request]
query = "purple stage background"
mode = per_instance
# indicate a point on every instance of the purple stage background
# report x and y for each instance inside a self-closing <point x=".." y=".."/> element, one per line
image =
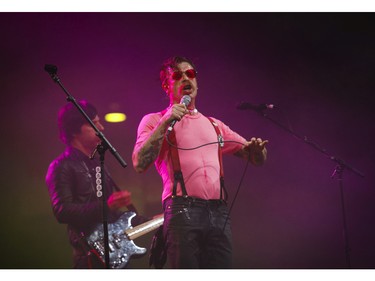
<point x="317" y="68"/>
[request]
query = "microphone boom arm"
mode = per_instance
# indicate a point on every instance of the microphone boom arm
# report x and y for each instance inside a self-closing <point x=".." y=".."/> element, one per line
<point x="305" y="139"/>
<point x="52" y="70"/>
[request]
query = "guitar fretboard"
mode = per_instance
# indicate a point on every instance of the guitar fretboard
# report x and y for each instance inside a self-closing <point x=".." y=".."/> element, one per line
<point x="144" y="228"/>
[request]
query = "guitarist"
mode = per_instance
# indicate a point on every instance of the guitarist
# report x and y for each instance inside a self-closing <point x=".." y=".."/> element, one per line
<point x="73" y="187"/>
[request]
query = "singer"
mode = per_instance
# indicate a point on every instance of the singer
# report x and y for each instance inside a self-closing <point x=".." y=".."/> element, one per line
<point x="196" y="228"/>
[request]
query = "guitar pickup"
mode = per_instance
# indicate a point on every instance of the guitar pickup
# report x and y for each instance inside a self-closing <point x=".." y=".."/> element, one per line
<point x="111" y="249"/>
<point x="116" y="241"/>
<point x="99" y="248"/>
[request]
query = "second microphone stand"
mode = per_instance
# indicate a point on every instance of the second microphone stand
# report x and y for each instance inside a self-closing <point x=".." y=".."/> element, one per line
<point x="338" y="171"/>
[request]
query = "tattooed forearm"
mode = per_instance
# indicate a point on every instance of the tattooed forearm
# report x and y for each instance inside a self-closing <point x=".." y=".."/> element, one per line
<point x="149" y="153"/>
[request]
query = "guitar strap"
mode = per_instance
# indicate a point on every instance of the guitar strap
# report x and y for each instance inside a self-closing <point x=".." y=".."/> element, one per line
<point x="178" y="177"/>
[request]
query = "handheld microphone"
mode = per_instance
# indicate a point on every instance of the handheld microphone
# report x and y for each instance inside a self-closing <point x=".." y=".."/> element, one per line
<point x="184" y="100"/>
<point x="256" y="107"/>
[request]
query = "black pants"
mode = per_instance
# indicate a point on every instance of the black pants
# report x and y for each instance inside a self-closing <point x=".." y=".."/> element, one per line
<point x="197" y="233"/>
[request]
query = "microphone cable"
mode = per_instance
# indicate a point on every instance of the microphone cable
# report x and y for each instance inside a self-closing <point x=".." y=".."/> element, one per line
<point x="199" y="146"/>
<point x="237" y="192"/>
<point x="241" y="180"/>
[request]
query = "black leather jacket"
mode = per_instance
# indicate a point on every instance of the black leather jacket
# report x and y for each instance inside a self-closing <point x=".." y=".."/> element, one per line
<point x="71" y="184"/>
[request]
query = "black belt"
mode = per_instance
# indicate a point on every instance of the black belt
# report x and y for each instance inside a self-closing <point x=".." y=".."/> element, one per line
<point x="194" y="201"/>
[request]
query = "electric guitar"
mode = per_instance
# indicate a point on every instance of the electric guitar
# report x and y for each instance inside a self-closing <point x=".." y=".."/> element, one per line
<point x="120" y="236"/>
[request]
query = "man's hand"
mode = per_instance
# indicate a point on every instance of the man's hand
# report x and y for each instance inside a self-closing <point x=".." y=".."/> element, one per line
<point x="257" y="151"/>
<point x="119" y="199"/>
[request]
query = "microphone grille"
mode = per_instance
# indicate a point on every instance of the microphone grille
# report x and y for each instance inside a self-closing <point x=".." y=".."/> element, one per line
<point x="186" y="99"/>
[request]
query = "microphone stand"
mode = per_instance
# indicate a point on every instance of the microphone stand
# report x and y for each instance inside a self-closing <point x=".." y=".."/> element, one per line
<point x="339" y="169"/>
<point x="101" y="148"/>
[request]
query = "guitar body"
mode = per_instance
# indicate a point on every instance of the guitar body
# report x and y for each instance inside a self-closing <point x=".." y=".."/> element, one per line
<point x="121" y="248"/>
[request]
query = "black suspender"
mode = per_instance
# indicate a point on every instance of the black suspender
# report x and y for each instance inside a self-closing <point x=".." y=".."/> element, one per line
<point x="220" y="155"/>
<point x="178" y="177"/>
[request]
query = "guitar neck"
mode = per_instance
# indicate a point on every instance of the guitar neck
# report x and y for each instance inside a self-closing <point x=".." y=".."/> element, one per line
<point x="139" y="230"/>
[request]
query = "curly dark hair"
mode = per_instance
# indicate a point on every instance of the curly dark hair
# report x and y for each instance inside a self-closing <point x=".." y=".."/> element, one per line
<point x="70" y="119"/>
<point x="171" y="63"/>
